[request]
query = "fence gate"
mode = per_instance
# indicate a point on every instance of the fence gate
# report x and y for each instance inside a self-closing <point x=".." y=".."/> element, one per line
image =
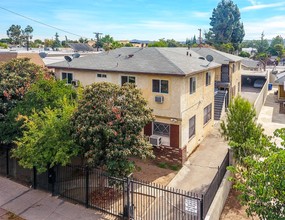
<point x="150" y="201"/>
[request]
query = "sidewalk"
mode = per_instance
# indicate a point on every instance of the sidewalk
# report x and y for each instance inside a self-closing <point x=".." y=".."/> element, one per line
<point x="33" y="204"/>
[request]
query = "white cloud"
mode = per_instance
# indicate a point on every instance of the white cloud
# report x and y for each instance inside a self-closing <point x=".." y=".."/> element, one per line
<point x="254" y="2"/>
<point x="256" y="6"/>
<point x="198" y="14"/>
<point x="272" y="27"/>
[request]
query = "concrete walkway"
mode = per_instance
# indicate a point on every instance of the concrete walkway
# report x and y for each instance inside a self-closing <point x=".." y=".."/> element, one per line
<point x="33" y="204"/>
<point x="269" y="116"/>
<point x="201" y="167"/>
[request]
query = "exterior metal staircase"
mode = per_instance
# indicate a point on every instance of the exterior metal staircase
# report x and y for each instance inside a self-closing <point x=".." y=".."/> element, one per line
<point x="219" y="104"/>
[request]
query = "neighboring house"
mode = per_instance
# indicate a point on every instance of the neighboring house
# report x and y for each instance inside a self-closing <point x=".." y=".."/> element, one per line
<point x="178" y="86"/>
<point x="227" y="81"/>
<point x="252" y="51"/>
<point x="280" y="80"/>
<point x="34" y="57"/>
<point x="252" y="65"/>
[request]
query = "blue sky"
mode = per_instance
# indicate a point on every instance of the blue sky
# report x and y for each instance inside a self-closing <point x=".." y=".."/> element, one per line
<point x="137" y="19"/>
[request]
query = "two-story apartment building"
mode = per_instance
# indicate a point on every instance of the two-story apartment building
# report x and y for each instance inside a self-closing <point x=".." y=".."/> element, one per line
<point x="178" y="86"/>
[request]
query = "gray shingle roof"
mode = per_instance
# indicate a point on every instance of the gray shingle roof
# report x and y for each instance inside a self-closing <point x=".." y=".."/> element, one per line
<point x="173" y="61"/>
<point x="250" y="63"/>
<point x="280" y="78"/>
<point x="219" y="57"/>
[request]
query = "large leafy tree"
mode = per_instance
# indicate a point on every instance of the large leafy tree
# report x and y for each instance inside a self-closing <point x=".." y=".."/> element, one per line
<point x="108" y="125"/>
<point x="46" y="139"/>
<point x="240" y="128"/>
<point x="259" y="168"/>
<point x="16" y="77"/>
<point x="42" y="94"/>
<point x="262" y="184"/>
<point x="278" y="40"/>
<point x="226" y="24"/>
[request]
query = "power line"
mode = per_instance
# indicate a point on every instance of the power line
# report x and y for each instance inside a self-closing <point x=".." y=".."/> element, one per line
<point x="40" y="22"/>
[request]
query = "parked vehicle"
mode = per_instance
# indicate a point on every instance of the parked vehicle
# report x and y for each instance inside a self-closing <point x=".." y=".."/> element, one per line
<point x="258" y="83"/>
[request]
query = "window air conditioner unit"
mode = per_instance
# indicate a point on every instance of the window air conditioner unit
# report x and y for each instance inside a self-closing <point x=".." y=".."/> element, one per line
<point x="159" y="99"/>
<point x="155" y="140"/>
<point x="75" y="82"/>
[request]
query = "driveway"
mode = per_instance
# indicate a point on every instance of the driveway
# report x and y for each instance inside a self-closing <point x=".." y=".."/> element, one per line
<point x="269" y="117"/>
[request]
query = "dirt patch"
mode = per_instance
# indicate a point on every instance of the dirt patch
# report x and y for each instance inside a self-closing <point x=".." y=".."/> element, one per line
<point x="148" y="170"/>
<point x="10" y="216"/>
<point x="233" y="209"/>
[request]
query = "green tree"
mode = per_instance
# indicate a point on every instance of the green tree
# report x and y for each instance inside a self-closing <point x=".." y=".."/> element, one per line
<point x="160" y="43"/>
<point x="226" y="25"/>
<point x="16" y="76"/>
<point x="3" y="45"/>
<point x="240" y="128"/>
<point x="262" y="185"/>
<point x="27" y="35"/>
<point x="275" y="41"/>
<point x="56" y="43"/>
<point x="228" y="47"/>
<point x="46" y="139"/>
<point x="44" y="93"/>
<point x="244" y="54"/>
<point x="109" y="127"/>
<point x="279" y="48"/>
<point x="14" y="33"/>
<point x="128" y="45"/>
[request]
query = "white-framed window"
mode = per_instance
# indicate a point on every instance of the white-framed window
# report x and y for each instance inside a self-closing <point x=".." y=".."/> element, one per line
<point x="192" y="85"/>
<point x="100" y="75"/>
<point x="192" y="126"/>
<point x="67" y="76"/>
<point x="160" y="86"/>
<point x="161" y="129"/>
<point x="207" y="113"/>
<point x="208" y="78"/>
<point x="128" y="79"/>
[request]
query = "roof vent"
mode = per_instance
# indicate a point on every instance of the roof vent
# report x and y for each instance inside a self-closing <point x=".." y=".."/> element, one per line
<point x="130" y="55"/>
<point x="201" y="58"/>
<point x="187" y="53"/>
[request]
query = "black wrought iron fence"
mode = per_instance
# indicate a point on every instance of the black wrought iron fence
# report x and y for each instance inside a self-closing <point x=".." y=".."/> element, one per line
<point x="121" y="197"/>
<point x="209" y="196"/>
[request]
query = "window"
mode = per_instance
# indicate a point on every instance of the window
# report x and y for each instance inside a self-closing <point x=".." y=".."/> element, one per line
<point x="128" y="79"/>
<point x="192" y="85"/>
<point x="160" y="86"/>
<point x="67" y="76"/>
<point x="207" y="113"/>
<point x="99" y="75"/>
<point x="161" y="129"/>
<point x="234" y="68"/>
<point x="192" y="125"/>
<point x="208" y="78"/>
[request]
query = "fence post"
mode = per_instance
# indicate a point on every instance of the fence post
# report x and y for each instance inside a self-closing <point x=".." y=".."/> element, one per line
<point x="128" y="212"/>
<point x="34" y="177"/>
<point x="87" y="187"/>
<point x="202" y="207"/>
<point x="7" y="161"/>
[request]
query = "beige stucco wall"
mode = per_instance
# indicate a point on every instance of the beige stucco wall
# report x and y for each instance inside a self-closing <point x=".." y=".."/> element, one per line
<point x="179" y="105"/>
<point x="235" y="79"/>
<point x="194" y="104"/>
<point x="171" y="106"/>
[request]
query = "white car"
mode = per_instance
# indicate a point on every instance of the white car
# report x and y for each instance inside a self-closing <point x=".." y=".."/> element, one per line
<point x="258" y="83"/>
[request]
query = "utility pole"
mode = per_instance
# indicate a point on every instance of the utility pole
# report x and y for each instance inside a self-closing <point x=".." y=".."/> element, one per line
<point x="97" y="34"/>
<point x="200" y="37"/>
